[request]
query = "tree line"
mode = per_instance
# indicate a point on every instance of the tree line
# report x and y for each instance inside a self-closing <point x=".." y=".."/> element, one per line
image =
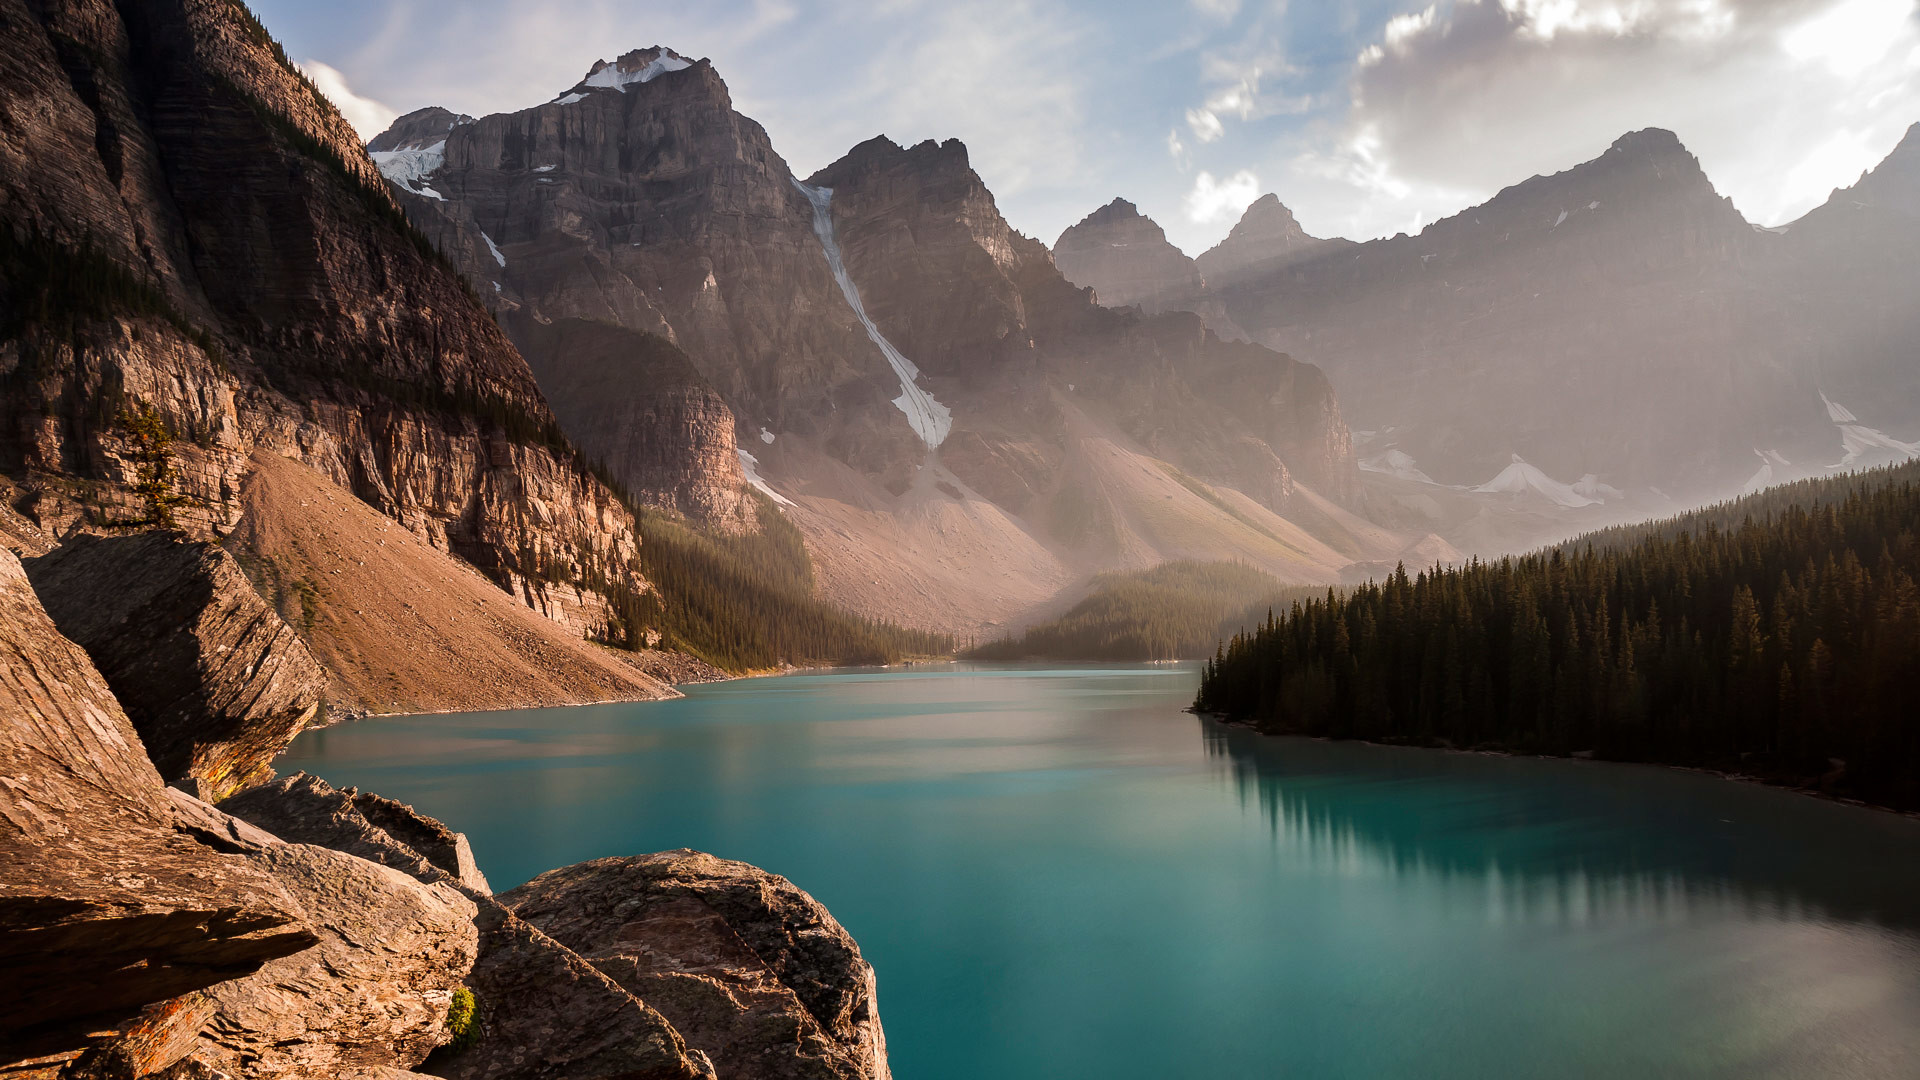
<point x="1777" y="636"/>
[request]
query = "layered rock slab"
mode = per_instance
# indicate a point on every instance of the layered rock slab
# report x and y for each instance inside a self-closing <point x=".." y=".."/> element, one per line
<point x="105" y="907"/>
<point x="215" y="682"/>
<point x="748" y="967"/>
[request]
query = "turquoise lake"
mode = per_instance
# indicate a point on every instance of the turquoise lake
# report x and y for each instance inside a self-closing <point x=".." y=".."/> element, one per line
<point x="1058" y="873"/>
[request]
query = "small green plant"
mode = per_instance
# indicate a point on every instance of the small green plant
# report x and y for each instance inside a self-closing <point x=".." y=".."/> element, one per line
<point x="309" y="596"/>
<point x="152" y="455"/>
<point x="463" y="1021"/>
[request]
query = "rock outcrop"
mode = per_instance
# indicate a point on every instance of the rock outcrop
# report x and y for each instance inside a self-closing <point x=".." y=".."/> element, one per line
<point x="106" y="907"/>
<point x="749" y="969"/>
<point x="199" y="231"/>
<point x="215" y="682"/>
<point x="306" y="809"/>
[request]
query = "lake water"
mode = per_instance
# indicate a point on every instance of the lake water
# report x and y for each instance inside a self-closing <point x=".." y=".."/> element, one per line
<point x="1059" y="874"/>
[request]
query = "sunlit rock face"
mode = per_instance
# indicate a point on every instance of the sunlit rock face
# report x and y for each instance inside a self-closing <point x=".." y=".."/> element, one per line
<point x="270" y="299"/>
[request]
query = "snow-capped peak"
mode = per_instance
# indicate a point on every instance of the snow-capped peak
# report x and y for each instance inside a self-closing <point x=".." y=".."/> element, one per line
<point x="642" y="66"/>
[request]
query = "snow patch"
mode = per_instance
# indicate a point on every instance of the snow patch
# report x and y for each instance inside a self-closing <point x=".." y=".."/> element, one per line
<point x="1521" y="478"/>
<point x="1593" y="206"/>
<point x="750" y="466"/>
<point x="1396" y="463"/>
<point x="568" y="99"/>
<point x="1590" y="486"/>
<point x="544" y="168"/>
<point x="495" y="248"/>
<point x="611" y="77"/>
<point x="1858" y="441"/>
<point x="928" y="418"/>
<point x="1557" y="221"/>
<point x="1772" y="468"/>
<point x="766" y="436"/>
<point x="1839" y="414"/>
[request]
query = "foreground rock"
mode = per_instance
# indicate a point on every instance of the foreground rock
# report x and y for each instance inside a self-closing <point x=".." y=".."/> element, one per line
<point x="750" y="969"/>
<point x="543" y="1011"/>
<point x="306" y="809"/>
<point x="105" y="907"/>
<point x="215" y="682"/>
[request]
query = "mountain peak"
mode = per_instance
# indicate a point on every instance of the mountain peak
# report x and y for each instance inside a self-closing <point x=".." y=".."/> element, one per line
<point x="1118" y="210"/>
<point x="418" y="129"/>
<point x="1267" y="234"/>
<point x="629" y="69"/>
<point x="1648" y="142"/>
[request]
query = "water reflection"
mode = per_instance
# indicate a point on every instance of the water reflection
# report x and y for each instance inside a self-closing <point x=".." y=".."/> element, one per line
<point x="1572" y="842"/>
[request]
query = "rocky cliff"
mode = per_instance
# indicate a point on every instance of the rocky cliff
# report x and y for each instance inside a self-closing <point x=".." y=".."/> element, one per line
<point x="297" y="930"/>
<point x="188" y="225"/>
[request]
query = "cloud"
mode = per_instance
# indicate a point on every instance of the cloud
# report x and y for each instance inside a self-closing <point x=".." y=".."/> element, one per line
<point x="1213" y="201"/>
<point x="368" y="117"/>
<point x="1223" y="10"/>
<point x="1782" y="100"/>
<point x="1238" y="100"/>
<point x="1178" y="150"/>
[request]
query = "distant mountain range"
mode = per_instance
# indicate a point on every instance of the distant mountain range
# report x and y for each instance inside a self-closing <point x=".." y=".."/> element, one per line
<point x="1619" y="321"/>
<point x="959" y="430"/>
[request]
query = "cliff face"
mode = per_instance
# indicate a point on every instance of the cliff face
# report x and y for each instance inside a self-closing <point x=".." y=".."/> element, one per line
<point x="189" y="225"/>
<point x="651" y="206"/>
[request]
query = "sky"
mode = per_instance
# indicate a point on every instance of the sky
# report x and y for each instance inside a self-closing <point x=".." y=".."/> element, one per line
<point x="1368" y="118"/>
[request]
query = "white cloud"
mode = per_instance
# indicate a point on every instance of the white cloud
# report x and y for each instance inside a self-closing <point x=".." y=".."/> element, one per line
<point x="1178" y="150"/>
<point x="1213" y="201"/>
<point x="1218" y="9"/>
<point x="1782" y="100"/>
<point x="368" y="117"/>
<point x="1205" y="125"/>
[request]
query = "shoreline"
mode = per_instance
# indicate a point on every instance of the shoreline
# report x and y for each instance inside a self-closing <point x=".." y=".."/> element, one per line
<point x="1700" y="770"/>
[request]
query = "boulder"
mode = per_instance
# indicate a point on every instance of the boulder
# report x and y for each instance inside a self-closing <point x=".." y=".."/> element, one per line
<point x="374" y="994"/>
<point x="105" y="906"/>
<point x="749" y="968"/>
<point x="547" y="1014"/>
<point x="215" y="682"/>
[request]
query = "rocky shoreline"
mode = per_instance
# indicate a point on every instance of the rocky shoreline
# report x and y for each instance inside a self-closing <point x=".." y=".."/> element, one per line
<point x="298" y="930"/>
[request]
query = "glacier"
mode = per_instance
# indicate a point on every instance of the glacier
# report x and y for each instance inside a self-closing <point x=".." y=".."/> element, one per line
<point x="409" y="168"/>
<point x="929" y="418"/>
<point x="1397" y="463"/>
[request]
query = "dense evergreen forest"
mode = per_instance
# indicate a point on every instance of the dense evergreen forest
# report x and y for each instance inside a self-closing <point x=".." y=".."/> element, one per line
<point x="1175" y="611"/>
<point x="746" y="602"/>
<point x="1776" y="636"/>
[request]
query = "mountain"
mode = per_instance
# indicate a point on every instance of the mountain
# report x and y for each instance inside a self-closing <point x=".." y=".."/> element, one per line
<point x="1265" y="238"/>
<point x="1618" y="322"/>
<point x="1125" y="258"/>
<point x="958" y="430"/>
<point x="190" y="233"/>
